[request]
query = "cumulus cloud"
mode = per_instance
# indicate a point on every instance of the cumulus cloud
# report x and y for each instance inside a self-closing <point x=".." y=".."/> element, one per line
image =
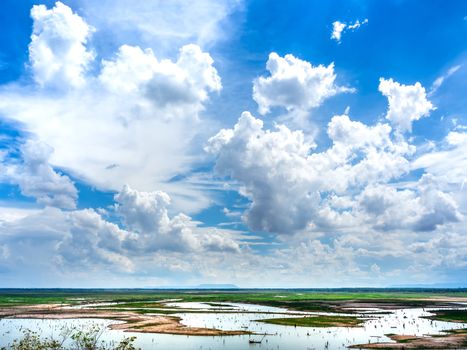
<point x="387" y="208"/>
<point x="294" y="84"/>
<point x="69" y="239"/>
<point x="439" y="207"/>
<point x="361" y="154"/>
<point x="96" y="250"/>
<point x="37" y="178"/>
<point x="56" y="243"/>
<point x="146" y="215"/>
<point x="407" y="103"/>
<point x="143" y="211"/>
<point x="292" y="188"/>
<point x="338" y="28"/>
<point x="279" y="173"/>
<point x="91" y="241"/>
<point x="448" y="251"/>
<point x="175" y="85"/>
<point x="12" y="214"/>
<point x="423" y="208"/>
<point x="58" y="52"/>
<point x="120" y="126"/>
<point x="83" y="239"/>
<point x="272" y="168"/>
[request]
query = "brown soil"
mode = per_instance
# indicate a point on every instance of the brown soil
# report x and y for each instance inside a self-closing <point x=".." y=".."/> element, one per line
<point x="450" y="341"/>
<point x="130" y="321"/>
<point x="447" y="299"/>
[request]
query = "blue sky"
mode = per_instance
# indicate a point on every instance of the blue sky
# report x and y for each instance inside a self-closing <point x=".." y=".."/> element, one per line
<point x="277" y="144"/>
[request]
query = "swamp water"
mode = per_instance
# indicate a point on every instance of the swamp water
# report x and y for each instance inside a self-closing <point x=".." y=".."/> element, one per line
<point x="235" y="316"/>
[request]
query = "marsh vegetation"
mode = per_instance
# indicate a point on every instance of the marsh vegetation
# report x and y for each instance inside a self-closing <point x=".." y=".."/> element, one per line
<point x="69" y="339"/>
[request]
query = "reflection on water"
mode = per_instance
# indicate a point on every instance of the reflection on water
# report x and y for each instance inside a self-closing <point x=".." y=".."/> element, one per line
<point x="406" y="321"/>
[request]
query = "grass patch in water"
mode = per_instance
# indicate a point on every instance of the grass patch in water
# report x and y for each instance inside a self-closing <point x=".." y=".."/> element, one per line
<point x="316" y="321"/>
<point x="449" y="315"/>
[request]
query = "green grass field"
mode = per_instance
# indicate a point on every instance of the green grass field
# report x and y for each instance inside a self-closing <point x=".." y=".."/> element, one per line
<point x="303" y="300"/>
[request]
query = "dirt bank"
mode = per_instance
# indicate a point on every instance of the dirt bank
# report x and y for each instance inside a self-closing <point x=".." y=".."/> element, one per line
<point x="129" y="321"/>
<point x="455" y="340"/>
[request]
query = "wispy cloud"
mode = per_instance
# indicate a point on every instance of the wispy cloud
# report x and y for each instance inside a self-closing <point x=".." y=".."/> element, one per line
<point x="339" y="28"/>
<point x="440" y="80"/>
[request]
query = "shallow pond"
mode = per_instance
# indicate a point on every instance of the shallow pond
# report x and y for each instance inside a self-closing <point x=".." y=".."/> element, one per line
<point x="405" y="321"/>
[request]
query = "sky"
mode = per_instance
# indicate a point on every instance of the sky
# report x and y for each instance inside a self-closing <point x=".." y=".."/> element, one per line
<point x="257" y="143"/>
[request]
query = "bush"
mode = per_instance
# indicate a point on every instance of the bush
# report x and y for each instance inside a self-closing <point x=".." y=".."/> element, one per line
<point x="70" y="339"/>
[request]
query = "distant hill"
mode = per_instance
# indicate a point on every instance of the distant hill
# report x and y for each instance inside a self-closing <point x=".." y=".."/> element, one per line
<point x="217" y="286"/>
<point x="200" y="286"/>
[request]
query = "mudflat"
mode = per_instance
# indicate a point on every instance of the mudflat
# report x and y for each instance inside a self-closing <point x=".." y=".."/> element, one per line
<point x="129" y="320"/>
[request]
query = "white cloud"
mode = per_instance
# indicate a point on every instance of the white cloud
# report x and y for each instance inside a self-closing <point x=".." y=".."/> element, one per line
<point x="386" y="208"/>
<point x="407" y="103"/>
<point x="36" y="178"/>
<point x="439" y="207"/>
<point x="77" y="240"/>
<point x="294" y="84"/>
<point x="231" y="213"/>
<point x="357" y="24"/>
<point x="66" y="239"/>
<point x="80" y="245"/>
<point x="356" y="182"/>
<point x="145" y="214"/>
<point x="375" y="269"/>
<point x="135" y="121"/>
<point x="273" y="171"/>
<point x="58" y="53"/>
<point x="448" y="251"/>
<point x="440" y="80"/>
<point x="279" y="173"/>
<point x="143" y="211"/>
<point x="162" y="25"/>
<point x="362" y="154"/>
<point x="448" y="162"/>
<point x="91" y="241"/>
<point x="338" y="28"/>
<point x="169" y="85"/>
<point x="12" y="214"/>
<point x="423" y="208"/>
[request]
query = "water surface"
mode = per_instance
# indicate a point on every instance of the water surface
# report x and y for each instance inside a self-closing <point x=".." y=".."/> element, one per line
<point x="237" y="316"/>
